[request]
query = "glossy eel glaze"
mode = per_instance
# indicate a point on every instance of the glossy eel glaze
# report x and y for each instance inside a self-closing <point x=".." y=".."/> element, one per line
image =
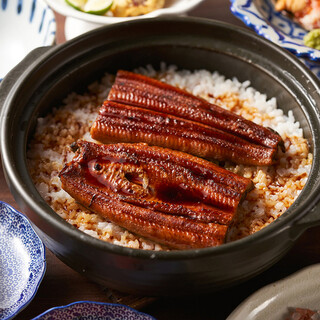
<point x="173" y="104"/>
<point x="118" y="122"/>
<point x="165" y="195"/>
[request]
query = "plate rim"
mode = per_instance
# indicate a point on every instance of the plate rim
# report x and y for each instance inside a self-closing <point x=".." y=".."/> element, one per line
<point x="47" y="312"/>
<point x="41" y="275"/>
<point x="271" y="290"/>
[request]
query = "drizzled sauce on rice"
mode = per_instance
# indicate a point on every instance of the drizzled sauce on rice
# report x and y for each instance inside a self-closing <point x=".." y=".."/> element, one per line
<point x="276" y="187"/>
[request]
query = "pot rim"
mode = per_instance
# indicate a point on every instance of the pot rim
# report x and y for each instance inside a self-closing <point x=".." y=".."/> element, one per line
<point x="304" y="203"/>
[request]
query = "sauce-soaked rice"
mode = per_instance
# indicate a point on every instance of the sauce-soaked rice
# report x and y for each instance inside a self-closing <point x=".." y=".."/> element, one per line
<point x="276" y="187"/>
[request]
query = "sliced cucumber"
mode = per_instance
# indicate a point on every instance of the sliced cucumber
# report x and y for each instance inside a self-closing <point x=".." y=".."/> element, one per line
<point x="98" y="7"/>
<point x="77" y="4"/>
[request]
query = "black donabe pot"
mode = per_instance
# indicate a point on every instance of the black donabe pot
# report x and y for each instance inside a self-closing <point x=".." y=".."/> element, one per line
<point x="46" y="76"/>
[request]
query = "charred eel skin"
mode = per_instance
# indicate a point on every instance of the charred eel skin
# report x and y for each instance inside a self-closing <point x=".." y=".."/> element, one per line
<point x="141" y="91"/>
<point x="117" y="122"/>
<point x="165" y="195"/>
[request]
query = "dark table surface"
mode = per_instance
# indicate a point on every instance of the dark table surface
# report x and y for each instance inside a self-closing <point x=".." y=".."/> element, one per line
<point x="61" y="285"/>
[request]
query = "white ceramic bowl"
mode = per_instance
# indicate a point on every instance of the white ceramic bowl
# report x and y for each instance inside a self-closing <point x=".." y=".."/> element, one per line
<point x="277" y="300"/>
<point x="24" y="26"/>
<point x="22" y="262"/>
<point x="78" y="22"/>
<point x="261" y="16"/>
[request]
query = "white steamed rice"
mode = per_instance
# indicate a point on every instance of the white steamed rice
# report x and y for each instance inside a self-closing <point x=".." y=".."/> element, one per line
<point x="276" y="187"/>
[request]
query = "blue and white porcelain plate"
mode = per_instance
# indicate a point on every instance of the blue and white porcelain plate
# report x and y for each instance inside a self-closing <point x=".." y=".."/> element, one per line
<point x="24" y="26"/>
<point x="261" y="16"/>
<point x="22" y="262"/>
<point x="89" y="310"/>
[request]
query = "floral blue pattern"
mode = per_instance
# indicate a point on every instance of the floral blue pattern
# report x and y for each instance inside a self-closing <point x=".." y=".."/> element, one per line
<point x="89" y="310"/>
<point x="25" y="25"/>
<point x="277" y="27"/>
<point x="22" y="261"/>
<point x="261" y="16"/>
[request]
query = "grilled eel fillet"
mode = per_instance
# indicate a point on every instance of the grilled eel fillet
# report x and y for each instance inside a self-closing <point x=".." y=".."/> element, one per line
<point x="123" y="123"/>
<point x="165" y="195"/>
<point x="179" y="120"/>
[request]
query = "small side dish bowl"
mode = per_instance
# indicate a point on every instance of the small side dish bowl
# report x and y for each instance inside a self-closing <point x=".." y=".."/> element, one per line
<point x="93" y="310"/>
<point x="261" y="16"/>
<point x="22" y="261"/>
<point x="277" y="300"/>
<point x="25" y="25"/>
<point x="78" y="22"/>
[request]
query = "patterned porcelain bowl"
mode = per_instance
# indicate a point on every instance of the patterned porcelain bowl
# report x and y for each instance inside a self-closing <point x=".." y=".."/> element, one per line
<point x="88" y="310"/>
<point x="22" y="262"/>
<point x="261" y="16"/>
<point x="24" y="25"/>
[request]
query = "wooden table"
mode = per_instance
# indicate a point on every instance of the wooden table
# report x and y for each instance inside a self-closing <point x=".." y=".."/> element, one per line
<point x="61" y="285"/>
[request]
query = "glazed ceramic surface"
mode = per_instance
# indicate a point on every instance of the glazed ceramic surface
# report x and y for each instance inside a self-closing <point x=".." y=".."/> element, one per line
<point x="22" y="261"/>
<point x="78" y="22"/>
<point x="89" y="310"/>
<point x="46" y="78"/>
<point x="277" y="300"/>
<point x="261" y="16"/>
<point x="24" y="25"/>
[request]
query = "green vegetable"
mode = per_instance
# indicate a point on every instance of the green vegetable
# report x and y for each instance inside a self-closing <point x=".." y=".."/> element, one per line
<point x="312" y="39"/>
<point x="77" y="4"/>
<point x="98" y="7"/>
